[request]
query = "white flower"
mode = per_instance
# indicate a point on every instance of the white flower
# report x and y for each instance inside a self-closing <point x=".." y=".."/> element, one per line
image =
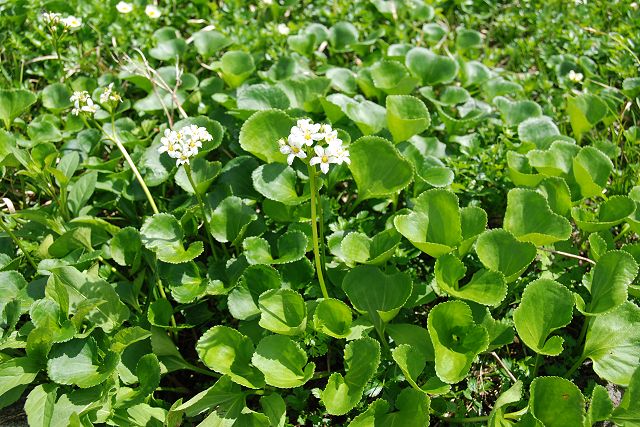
<point x="152" y="11"/>
<point x="575" y="77"/>
<point x="124" y="7"/>
<point x="71" y="22"/>
<point x="109" y="95"/>
<point x="267" y="2"/>
<point x="324" y="156"/>
<point x="51" y="18"/>
<point x="330" y="135"/>
<point x="184" y="143"/>
<point x="293" y="148"/>
<point x="283" y="29"/>
<point x="306" y="132"/>
<point x="82" y="103"/>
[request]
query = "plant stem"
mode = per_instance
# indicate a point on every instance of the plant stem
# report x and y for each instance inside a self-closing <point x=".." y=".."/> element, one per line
<point x="323" y="259"/>
<point x="187" y="169"/>
<point x="314" y="229"/>
<point x="568" y="255"/>
<point x="132" y="165"/>
<point x="536" y="366"/>
<point x="625" y="229"/>
<point x="501" y="363"/>
<point x="17" y="242"/>
<point x="574" y="367"/>
<point x="465" y="420"/>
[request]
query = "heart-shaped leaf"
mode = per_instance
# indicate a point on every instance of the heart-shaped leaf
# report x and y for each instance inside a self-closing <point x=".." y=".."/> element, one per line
<point x="591" y="168"/>
<point x="283" y="311"/>
<point x="457" y="339"/>
<point x="406" y="116"/>
<point x="80" y="362"/>
<point x="378" y="168"/>
<point x="261" y="97"/>
<point x="434" y="226"/>
<point x="291" y="247"/>
<point x="485" y="287"/>
<point x="332" y="317"/>
<point x="255" y="280"/>
<point x="392" y="77"/>
<point x="13" y="103"/>
<point x="368" y="116"/>
<point x="412" y="363"/>
<point x="342" y="393"/>
<point x="539" y="131"/>
<point x="499" y="250"/>
<point x="611" y="277"/>
<point x="358" y="247"/>
<point x="277" y="181"/>
<point x="556" y="402"/>
<point x="430" y="68"/>
<point x="236" y="66"/>
<point x="377" y="294"/>
<point x="208" y="43"/>
<point x="533" y="329"/>
<point x="520" y="170"/>
<point x="530" y="219"/>
<point x="230" y="219"/>
<point x="413" y="411"/>
<point x="283" y="362"/>
<point x="163" y="235"/>
<point x="473" y="221"/>
<point x="516" y="112"/>
<point x="585" y="111"/>
<point x="203" y="173"/>
<point x="229" y="352"/>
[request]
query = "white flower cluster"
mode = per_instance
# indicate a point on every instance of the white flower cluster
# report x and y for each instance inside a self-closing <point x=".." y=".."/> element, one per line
<point x="52" y="19"/>
<point x="152" y="11"/>
<point x="575" y="77"/>
<point x="124" y="7"/>
<point x="308" y="134"/>
<point x="82" y="103"/>
<point x="110" y="95"/>
<point x="184" y="143"/>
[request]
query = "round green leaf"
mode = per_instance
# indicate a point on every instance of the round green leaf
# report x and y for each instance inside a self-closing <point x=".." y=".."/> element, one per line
<point x="332" y="317"/>
<point x="516" y="112"/>
<point x="430" y="68"/>
<point x="368" y="116"/>
<point x="485" y="287"/>
<point x="556" y="402"/>
<point x="163" y="235"/>
<point x="585" y="111"/>
<point x="342" y="36"/>
<point x="591" y="168"/>
<point x="80" y="362"/>
<point x="277" y="181"/>
<point x="283" y="311"/>
<point x="500" y="251"/>
<point x="406" y="116"/>
<point x="534" y="329"/>
<point x="538" y="130"/>
<point x="230" y="219"/>
<point x="260" y="134"/>
<point x="358" y="247"/>
<point x="14" y="102"/>
<point x="610" y="213"/>
<point x="261" y="97"/>
<point x="208" y="43"/>
<point x="283" y="362"/>
<point x="56" y="96"/>
<point x="236" y="67"/>
<point x="392" y="77"/>
<point x="291" y="247"/>
<point x="203" y="173"/>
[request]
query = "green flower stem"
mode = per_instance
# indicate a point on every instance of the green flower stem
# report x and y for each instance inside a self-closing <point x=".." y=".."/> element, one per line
<point x="323" y="259"/>
<point x="574" y="367"/>
<point x="314" y="229"/>
<point x="17" y="242"/>
<point x="625" y="229"/>
<point x="187" y="169"/>
<point x="113" y="138"/>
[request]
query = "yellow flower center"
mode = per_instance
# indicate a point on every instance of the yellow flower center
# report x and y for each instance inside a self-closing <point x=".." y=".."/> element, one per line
<point x="325" y="159"/>
<point x="296" y="150"/>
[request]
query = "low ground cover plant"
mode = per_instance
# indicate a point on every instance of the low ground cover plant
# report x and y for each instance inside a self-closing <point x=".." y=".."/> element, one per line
<point x="286" y="213"/>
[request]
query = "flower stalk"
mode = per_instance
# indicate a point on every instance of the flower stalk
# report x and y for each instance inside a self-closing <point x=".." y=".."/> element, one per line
<point x="207" y="226"/>
<point x="314" y="230"/>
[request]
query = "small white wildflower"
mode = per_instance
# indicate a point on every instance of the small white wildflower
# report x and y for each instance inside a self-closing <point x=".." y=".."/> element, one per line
<point x="71" y="22"/>
<point x="340" y="154"/>
<point x="330" y="135"/>
<point x="283" y="29"/>
<point x="324" y="156"/>
<point x="109" y="95"/>
<point x="51" y="18"/>
<point x="267" y="2"/>
<point x="293" y="148"/>
<point x="124" y="7"/>
<point x="152" y="11"/>
<point x="306" y="132"/>
<point x="82" y="103"/>
<point x="184" y="143"/>
<point x="575" y="77"/>
<point x="634" y="5"/>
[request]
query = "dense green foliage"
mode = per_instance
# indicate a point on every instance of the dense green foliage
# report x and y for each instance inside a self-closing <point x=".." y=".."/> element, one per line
<point x="467" y="254"/>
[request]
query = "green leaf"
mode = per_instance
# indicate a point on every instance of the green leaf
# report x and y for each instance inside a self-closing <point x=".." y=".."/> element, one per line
<point x="556" y="402"/>
<point x="611" y="212"/>
<point x="613" y="343"/>
<point x="627" y="413"/>
<point x="229" y="352"/>
<point x="600" y="407"/>
<point x="534" y="329"/>
<point x="126" y="247"/>
<point x="80" y="362"/>
<point x="291" y="247"/>
<point x="610" y="279"/>
<point x="259" y="135"/>
<point x="520" y="170"/>
<point x="512" y="395"/>
<point x="203" y="173"/>
<point x="80" y="289"/>
<point x="80" y="191"/>
<point x="430" y="68"/>
<point x="275" y="408"/>
<point x="283" y="311"/>
<point x="39" y="405"/>
<point x="485" y="287"/>
<point x="236" y="67"/>
<point x="230" y="219"/>
<point x="530" y="219"/>
<point x="413" y="411"/>
<point x="332" y="317"/>
<point x="342" y="80"/>
<point x="457" y="339"/>
<point x="261" y="97"/>
<point x="516" y="112"/>
<point x="163" y="235"/>
<point x="225" y="396"/>
<point x="585" y="111"/>
<point x="15" y="375"/>
<point x="277" y="181"/>
<point x="468" y="39"/>
<point x="591" y="168"/>
<point x="540" y="131"/>
<point x="342" y="36"/>
<point x="412" y="363"/>
<point x="406" y="116"/>
<point x="473" y="221"/>
<point x="304" y="92"/>
<point x="342" y="393"/>
<point x="392" y="77"/>
<point x="434" y="226"/>
<point x="377" y="294"/>
<point x="499" y="250"/>
<point x="358" y="247"/>
<point x="13" y="103"/>
<point x="55" y="97"/>
<point x="368" y="116"/>
<point x="208" y="43"/>
<point x="283" y="362"/>
<point x="378" y="168"/>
